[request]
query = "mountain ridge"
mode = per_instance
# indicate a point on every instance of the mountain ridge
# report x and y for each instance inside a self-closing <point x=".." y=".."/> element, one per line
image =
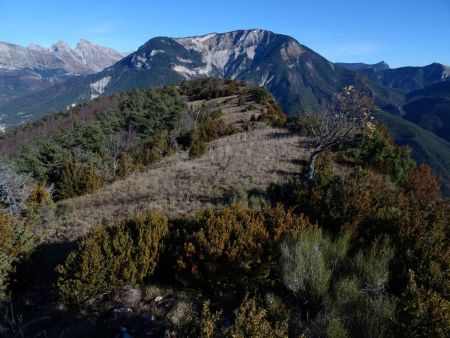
<point x="295" y="74"/>
<point x="299" y="78"/>
<point x="27" y="70"/>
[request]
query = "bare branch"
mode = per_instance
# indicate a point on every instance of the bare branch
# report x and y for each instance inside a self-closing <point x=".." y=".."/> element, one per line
<point x="348" y="117"/>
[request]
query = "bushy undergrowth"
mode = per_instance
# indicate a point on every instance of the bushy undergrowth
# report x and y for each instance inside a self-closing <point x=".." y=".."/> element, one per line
<point x="232" y="249"/>
<point x="361" y="252"/>
<point x="339" y="291"/>
<point x="20" y="234"/>
<point x="250" y="321"/>
<point x="210" y="88"/>
<point x="385" y="195"/>
<point x="17" y="239"/>
<point x="125" y="253"/>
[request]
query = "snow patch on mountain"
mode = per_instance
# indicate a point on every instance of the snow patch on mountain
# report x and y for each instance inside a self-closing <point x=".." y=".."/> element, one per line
<point x="98" y="87"/>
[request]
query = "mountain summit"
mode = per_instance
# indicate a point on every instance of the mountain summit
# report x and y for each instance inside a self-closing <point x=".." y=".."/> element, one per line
<point x="298" y="77"/>
<point x="28" y="69"/>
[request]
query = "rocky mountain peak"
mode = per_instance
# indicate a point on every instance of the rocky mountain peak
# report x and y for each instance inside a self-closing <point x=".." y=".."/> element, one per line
<point x="60" y="46"/>
<point x="36" y="47"/>
<point x="84" y="42"/>
<point x="224" y="54"/>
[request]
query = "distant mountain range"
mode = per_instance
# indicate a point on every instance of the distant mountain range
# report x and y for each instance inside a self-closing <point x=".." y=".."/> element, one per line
<point x="359" y="66"/>
<point x="25" y="70"/>
<point x="403" y="78"/>
<point x="296" y="75"/>
<point x="299" y="78"/>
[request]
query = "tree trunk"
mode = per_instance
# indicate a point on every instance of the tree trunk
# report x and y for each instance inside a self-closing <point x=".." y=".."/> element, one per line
<point x="312" y="165"/>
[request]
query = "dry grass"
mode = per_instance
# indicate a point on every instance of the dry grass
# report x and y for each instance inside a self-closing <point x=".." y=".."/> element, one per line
<point x="179" y="186"/>
<point x="233" y="113"/>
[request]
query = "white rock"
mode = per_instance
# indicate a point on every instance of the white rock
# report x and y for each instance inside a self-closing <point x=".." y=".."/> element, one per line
<point x="98" y="87"/>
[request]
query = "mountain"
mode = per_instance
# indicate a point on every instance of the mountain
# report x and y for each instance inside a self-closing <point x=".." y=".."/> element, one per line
<point x="426" y="147"/>
<point x="406" y="79"/>
<point x="430" y="108"/>
<point x="359" y="66"/>
<point x="298" y="77"/>
<point x="25" y="70"/>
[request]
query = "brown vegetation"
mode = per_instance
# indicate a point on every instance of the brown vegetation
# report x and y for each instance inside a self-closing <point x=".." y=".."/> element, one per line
<point x="179" y="186"/>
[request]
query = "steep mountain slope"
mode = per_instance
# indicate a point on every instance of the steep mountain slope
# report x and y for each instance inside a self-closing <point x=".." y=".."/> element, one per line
<point x="426" y="146"/>
<point x="298" y="77"/>
<point x="26" y="70"/>
<point x="430" y="108"/>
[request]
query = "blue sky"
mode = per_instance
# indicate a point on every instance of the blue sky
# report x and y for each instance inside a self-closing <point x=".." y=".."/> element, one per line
<point x="401" y="32"/>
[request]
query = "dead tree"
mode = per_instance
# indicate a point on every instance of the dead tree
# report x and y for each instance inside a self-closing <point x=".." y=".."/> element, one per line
<point x="347" y="118"/>
<point x="115" y="145"/>
<point x="14" y="190"/>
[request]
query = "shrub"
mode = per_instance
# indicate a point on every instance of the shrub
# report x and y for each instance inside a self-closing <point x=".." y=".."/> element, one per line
<point x="125" y="253"/>
<point x="261" y="95"/>
<point x="198" y="146"/>
<point x="272" y="115"/>
<point x="424" y="312"/>
<point x="40" y="206"/>
<point x="363" y="313"/>
<point x="251" y="321"/>
<point x="344" y="295"/>
<point x="225" y="248"/>
<point x="206" y="324"/>
<point x="307" y="263"/>
<point x="151" y="150"/>
<point x="210" y="88"/>
<point x="335" y="329"/>
<point x="231" y="249"/>
<point x="76" y="179"/>
<point x="380" y="153"/>
<point x="306" y="123"/>
<point x="372" y="267"/>
<point x="280" y="222"/>
<point x="17" y="240"/>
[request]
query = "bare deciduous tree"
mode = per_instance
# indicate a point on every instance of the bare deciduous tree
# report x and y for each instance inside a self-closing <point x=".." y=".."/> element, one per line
<point x="14" y="190"/>
<point x="116" y="144"/>
<point x="347" y="118"/>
